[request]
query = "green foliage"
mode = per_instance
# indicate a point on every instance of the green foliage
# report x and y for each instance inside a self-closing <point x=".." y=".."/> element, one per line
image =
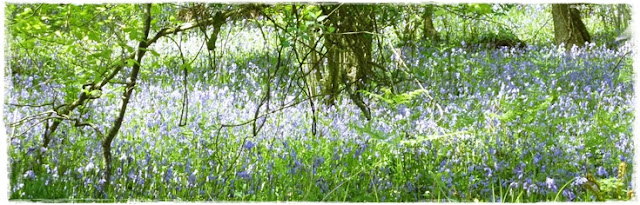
<point x="394" y="100"/>
<point x="478" y="9"/>
<point x="612" y="188"/>
<point x="469" y="150"/>
<point x="504" y="37"/>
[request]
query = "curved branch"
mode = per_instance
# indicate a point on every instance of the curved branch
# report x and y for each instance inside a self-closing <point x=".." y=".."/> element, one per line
<point x="186" y="26"/>
<point x="142" y="49"/>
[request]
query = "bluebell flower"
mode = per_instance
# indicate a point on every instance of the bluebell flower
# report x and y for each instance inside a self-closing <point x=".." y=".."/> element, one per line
<point x="602" y="172"/>
<point x="15" y="141"/>
<point x="192" y="179"/>
<point x="248" y="145"/>
<point x="569" y="195"/>
<point x="30" y="174"/>
<point x="140" y="181"/>
<point x="324" y="188"/>
<point x="579" y="181"/>
<point x="488" y="171"/>
<point x="169" y="174"/>
<point x="188" y="166"/>
<point x="89" y="166"/>
<point x="537" y="158"/>
<point x="87" y="182"/>
<point x="513" y="185"/>
<point x="551" y="184"/>
<point x="132" y="175"/>
<point x="410" y="187"/>
<point x="30" y="150"/>
<point x="293" y="154"/>
<point x="243" y="174"/>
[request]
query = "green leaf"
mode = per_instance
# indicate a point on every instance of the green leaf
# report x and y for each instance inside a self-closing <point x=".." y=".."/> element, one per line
<point x="322" y="18"/>
<point x="185" y="66"/>
<point x="153" y="52"/>
<point x="331" y="29"/>
<point x="106" y="53"/>
<point x="367" y="129"/>
<point x="58" y="33"/>
<point x="129" y="48"/>
<point x="285" y="42"/>
<point x="309" y="23"/>
<point x="29" y="44"/>
<point x="94" y="36"/>
<point x="154" y="21"/>
<point x="439" y="12"/>
<point x="131" y="62"/>
<point x="291" y="29"/>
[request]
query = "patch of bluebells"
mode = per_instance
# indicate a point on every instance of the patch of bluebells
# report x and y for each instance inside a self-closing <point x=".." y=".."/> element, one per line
<point x="476" y="148"/>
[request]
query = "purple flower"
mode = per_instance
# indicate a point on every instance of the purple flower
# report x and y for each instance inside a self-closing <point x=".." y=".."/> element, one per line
<point x="192" y="179"/>
<point x="89" y="166"/>
<point x="527" y="183"/>
<point x="537" y="158"/>
<point x="243" y="174"/>
<point x="188" y="166"/>
<point x="87" y="182"/>
<point x="317" y="161"/>
<point x="132" y="174"/>
<point x="551" y="184"/>
<point x="30" y="150"/>
<point x="579" y="181"/>
<point x="169" y="175"/>
<point x="488" y="171"/>
<point x="513" y="184"/>
<point x="323" y="185"/>
<point x="410" y="187"/>
<point x="570" y="196"/>
<point x="248" y="145"/>
<point x="602" y="171"/>
<point x="30" y="174"/>
<point x="15" y="141"/>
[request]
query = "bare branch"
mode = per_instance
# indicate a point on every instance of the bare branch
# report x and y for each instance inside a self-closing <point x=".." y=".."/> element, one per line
<point x="30" y="117"/>
<point x="29" y="105"/>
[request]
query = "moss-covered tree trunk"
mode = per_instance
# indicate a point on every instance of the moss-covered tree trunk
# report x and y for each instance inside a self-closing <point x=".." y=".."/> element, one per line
<point x="359" y="42"/>
<point x="349" y="52"/>
<point x="568" y="26"/>
<point x="428" y="31"/>
<point x="332" y="83"/>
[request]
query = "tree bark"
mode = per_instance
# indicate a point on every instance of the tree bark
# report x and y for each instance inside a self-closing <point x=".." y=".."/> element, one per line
<point x="428" y="31"/>
<point x="142" y="49"/>
<point x="350" y="52"/>
<point x="332" y="82"/>
<point x="568" y="26"/>
<point x="361" y="48"/>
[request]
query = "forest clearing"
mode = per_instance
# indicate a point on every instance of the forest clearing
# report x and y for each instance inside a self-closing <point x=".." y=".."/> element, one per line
<point x="319" y="102"/>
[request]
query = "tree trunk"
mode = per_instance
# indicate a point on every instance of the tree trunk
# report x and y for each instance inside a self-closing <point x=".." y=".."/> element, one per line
<point x="361" y="49"/>
<point x="428" y="31"/>
<point x="106" y="144"/>
<point x="332" y="81"/>
<point x="568" y="26"/>
<point x="349" y="52"/>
